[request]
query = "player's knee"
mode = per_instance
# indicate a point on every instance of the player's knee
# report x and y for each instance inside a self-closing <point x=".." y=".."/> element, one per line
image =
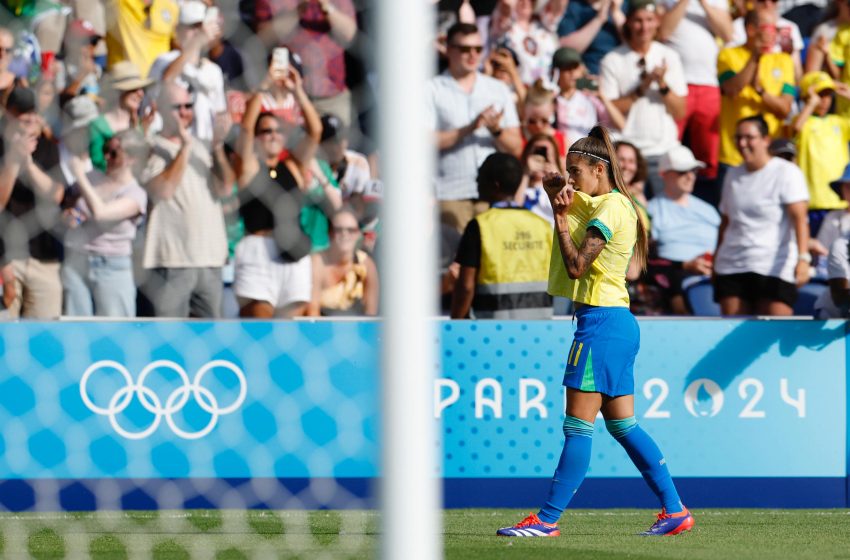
<point x="621" y="428"/>
<point x="576" y="427"/>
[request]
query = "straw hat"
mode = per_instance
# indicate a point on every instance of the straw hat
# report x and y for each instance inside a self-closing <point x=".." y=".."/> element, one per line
<point x="125" y="76"/>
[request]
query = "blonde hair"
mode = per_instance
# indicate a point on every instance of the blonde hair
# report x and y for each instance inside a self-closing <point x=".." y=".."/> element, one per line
<point x="596" y="147"/>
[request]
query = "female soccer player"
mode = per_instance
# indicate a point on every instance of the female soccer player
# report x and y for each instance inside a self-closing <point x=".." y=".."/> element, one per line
<point x="597" y="229"/>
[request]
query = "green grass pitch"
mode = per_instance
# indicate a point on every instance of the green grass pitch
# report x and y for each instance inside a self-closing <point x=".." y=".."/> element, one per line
<point x="467" y="534"/>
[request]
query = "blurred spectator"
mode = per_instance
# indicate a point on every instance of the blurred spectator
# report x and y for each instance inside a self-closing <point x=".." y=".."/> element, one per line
<point x="350" y="169"/>
<point x="97" y="273"/>
<point x="684" y="229"/>
<point x="762" y="254"/>
<point x="124" y="91"/>
<point x="692" y="28"/>
<point x="633" y="167"/>
<point x="835" y="63"/>
<point x="754" y="80"/>
<point x="318" y="31"/>
<point x="504" y="252"/>
<point x="539" y="157"/>
<point x="818" y="55"/>
<point x="345" y="280"/>
<point x="30" y="191"/>
<point x="77" y="72"/>
<point x="822" y="140"/>
<point x="7" y="78"/>
<point x="576" y="114"/>
<point x="501" y="64"/>
<point x="78" y="114"/>
<point x="528" y="32"/>
<point x="837" y="222"/>
<point x="186" y="244"/>
<point x="273" y="264"/>
<point x="645" y="81"/>
<point x="44" y="20"/>
<point x="139" y="31"/>
<point x="47" y="105"/>
<point x="93" y="11"/>
<point x="225" y="55"/>
<point x="786" y="38"/>
<point x="835" y="302"/>
<point x="473" y="115"/>
<point x="189" y="64"/>
<point x="538" y="116"/>
<point x="783" y="148"/>
<point x="592" y="27"/>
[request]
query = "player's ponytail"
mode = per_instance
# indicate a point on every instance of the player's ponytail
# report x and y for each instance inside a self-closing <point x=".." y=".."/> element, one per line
<point x="597" y="147"/>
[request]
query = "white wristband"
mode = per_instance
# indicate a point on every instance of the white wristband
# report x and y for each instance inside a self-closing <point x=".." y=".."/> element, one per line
<point x="805" y="257"/>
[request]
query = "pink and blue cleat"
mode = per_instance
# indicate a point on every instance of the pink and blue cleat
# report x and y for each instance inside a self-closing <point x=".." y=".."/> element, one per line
<point x="669" y="524"/>
<point x="531" y="526"/>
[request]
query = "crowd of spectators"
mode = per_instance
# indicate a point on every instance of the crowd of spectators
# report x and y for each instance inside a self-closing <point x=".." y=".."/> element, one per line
<point x="731" y="120"/>
<point x="194" y="158"/>
<point x="186" y="158"/>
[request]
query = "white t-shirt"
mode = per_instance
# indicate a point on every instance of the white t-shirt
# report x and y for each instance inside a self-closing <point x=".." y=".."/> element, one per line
<point x="760" y="236"/>
<point x="206" y="80"/>
<point x="357" y="174"/>
<point x="835" y="224"/>
<point x="788" y="37"/>
<point x="575" y="116"/>
<point x="648" y="125"/>
<point x="449" y="107"/>
<point x="534" y="49"/>
<point x="695" y="42"/>
<point x="838" y="266"/>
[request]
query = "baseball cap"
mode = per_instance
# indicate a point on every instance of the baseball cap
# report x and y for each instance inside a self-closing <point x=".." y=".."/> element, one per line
<point x="821" y="81"/>
<point x="79" y="112"/>
<point x="565" y="57"/>
<point x="680" y="158"/>
<point x="20" y="101"/>
<point x="332" y="127"/>
<point x="637" y="5"/>
<point x="192" y="12"/>
<point x="782" y="147"/>
<point x="80" y="30"/>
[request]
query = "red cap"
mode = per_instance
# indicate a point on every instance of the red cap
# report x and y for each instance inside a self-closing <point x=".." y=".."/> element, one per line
<point x="80" y="29"/>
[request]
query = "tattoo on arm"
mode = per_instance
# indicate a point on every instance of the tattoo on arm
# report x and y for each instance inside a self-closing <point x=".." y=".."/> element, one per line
<point x="578" y="260"/>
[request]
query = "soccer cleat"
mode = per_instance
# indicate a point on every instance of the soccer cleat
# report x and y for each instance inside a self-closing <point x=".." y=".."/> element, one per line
<point x="669" y="524"/>
<point x="531" y="526"/>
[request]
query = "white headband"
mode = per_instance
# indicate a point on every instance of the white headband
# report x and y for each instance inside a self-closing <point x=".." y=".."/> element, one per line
<point x="589" y="155"/>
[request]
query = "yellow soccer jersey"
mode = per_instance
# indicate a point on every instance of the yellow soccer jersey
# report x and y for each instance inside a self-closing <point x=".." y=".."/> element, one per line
<point x="776" y="75"/>
<point x="604" y="284"/>
<point x="839" y="50"/>
<point x="137" y="33"/>
<point x="822" y="144"/>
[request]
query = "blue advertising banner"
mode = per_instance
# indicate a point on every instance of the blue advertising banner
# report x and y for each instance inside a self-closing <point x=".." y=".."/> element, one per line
<point x="188" y="400"/>
<point x="738" y="407"/>
<point x="722" y="398"/>
<point x="747" y="412"/>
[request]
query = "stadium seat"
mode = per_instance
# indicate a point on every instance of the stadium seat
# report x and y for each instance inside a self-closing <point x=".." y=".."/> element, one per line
<point x="807" y="296"/>
<point x="700" y="296"/>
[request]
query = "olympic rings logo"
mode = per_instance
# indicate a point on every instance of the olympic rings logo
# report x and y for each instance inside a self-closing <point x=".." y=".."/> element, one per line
<point x="175" y="402"/>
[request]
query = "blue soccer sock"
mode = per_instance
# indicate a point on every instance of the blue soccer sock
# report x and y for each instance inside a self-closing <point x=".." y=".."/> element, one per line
<point x="575" y="459"/>
<point x="646" y="456"/>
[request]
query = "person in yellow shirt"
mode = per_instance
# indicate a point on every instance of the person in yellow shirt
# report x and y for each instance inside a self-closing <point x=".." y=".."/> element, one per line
<point x="753" y="81"/>
<point x="139" y="31"/>
<point x="597" y="234"/>
<point x="822" y="139"/>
